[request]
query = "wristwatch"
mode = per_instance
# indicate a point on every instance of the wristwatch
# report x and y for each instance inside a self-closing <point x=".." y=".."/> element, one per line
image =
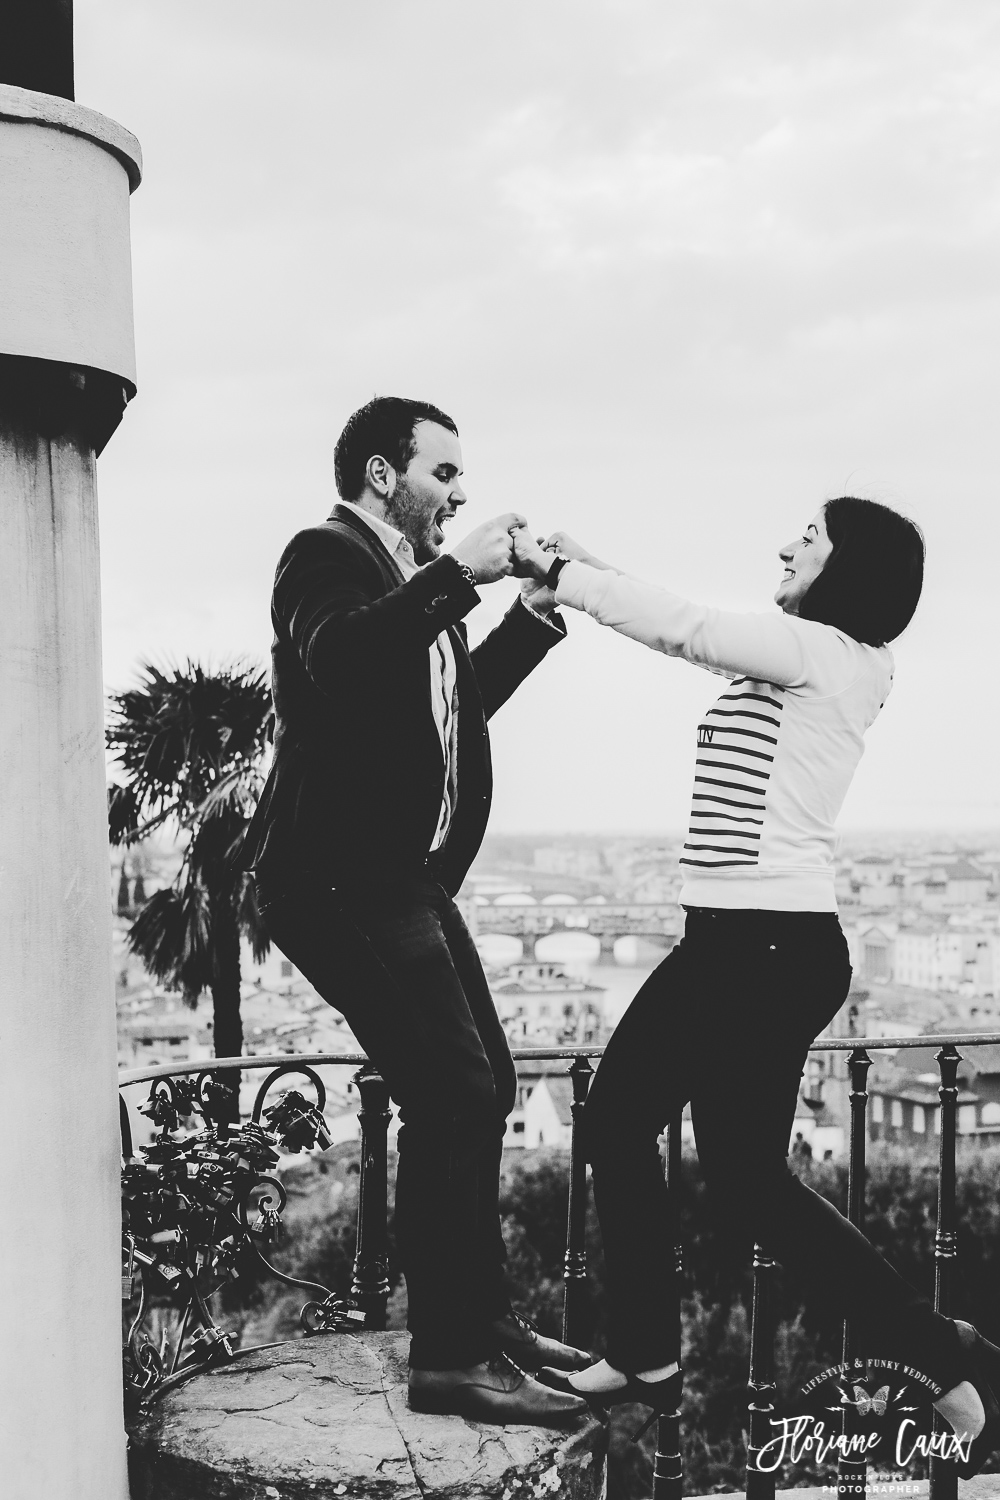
<point x="552" y="576"/>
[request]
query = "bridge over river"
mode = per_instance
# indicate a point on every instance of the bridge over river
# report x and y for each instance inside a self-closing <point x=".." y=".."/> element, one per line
<point x="607" y="921"/>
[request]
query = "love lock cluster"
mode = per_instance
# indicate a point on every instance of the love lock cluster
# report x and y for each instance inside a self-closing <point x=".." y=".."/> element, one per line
<point x="198" y="1206"/>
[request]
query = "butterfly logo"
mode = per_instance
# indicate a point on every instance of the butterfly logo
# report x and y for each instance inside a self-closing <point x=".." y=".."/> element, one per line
<point x="866" y="1403"/>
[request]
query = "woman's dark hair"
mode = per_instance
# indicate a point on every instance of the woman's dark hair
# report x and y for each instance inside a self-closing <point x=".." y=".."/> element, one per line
<point x="871" y="583"/>
<point x="384" y="426"/>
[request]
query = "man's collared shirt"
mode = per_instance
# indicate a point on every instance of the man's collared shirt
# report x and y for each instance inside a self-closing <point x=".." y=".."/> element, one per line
<point x="444" y="691"/>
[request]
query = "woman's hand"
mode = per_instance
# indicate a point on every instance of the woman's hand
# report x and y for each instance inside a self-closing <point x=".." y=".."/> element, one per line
<point x="561" y="541"/>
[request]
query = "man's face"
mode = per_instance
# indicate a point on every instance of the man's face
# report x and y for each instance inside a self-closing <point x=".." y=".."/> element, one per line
<point x="427" y="496"/>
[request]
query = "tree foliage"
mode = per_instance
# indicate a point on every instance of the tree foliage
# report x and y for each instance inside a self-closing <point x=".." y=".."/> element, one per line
<point x="189" y="745"/>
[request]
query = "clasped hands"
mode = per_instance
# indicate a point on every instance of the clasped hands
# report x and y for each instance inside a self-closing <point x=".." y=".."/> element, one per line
<point x="505" y="546"/>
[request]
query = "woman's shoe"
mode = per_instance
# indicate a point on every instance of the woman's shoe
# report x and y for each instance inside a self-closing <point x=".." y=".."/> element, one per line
<point x="983" y="1371"/>
<point x="661" y="1395"/>
<point x="558" y="1380"/>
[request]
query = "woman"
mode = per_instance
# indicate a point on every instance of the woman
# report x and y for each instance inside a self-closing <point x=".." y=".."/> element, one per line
<point x="726" y="1021"/>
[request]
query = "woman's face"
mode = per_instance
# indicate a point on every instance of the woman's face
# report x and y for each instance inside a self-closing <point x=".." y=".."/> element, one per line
<point x="804" y="560"/>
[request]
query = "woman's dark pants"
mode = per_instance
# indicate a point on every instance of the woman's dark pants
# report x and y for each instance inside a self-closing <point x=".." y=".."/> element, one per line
<point x="725" y="1022"/>
<point x="399" y="964"/>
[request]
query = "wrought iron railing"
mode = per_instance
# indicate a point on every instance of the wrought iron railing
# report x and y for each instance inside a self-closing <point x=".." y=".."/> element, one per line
<point x="370" y="1283"/>
<point x="198" y="1204"/>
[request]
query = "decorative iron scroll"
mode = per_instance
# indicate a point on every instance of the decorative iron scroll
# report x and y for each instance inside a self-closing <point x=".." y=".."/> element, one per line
<point x="195" y="1204"/>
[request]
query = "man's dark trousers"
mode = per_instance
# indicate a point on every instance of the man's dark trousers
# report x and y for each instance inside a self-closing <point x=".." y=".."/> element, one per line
<point x="399" y="963"/>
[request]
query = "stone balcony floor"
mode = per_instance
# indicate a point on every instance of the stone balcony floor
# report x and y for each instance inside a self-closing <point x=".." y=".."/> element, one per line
<point x="326" y="1418"/>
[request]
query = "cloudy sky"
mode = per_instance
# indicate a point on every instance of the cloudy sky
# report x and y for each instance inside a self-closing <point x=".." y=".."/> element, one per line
<point x="680" y="272"/>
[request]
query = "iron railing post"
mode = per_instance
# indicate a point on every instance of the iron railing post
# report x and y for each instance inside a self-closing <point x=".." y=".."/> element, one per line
<point x="943" y="1473"/>
<point x="852" y="1473"/>
<point x="370" y="1286"/>
<point x="761" y="1385"/>
<point x="668" y="1468"/>
<point x="575" y="1261"/>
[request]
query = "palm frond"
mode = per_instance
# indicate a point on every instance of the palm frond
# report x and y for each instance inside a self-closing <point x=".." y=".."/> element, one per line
<point x="173" y="937"/>
<point x="237" y="792"/>
<point x="124" y="829"/>
<point x="252" y="923"/>
<point x="123" y="815"/>
<point x="184" y="728"/>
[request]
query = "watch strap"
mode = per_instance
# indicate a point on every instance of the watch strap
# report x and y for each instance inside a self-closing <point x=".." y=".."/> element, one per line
<point x="552" y="576"/>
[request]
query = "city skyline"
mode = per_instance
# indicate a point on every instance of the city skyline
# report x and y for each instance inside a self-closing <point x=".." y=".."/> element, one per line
<point x="568" y="928"/>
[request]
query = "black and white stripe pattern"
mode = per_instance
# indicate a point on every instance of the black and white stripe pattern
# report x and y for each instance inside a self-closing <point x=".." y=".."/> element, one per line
<point x="737" y="741"/>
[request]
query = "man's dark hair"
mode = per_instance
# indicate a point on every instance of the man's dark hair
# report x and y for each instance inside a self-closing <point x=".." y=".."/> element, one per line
<point x="871" y="583"/>
<point x="385" y="426"/>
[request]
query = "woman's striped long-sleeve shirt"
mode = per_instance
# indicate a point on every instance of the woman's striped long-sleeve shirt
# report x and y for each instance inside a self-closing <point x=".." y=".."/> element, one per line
<point x="776" y="752"/>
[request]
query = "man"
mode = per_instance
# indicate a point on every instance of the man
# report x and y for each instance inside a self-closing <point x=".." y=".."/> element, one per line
<point x="375" y="807"/>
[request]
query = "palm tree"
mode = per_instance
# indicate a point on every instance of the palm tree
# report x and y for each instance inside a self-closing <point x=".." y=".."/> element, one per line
<point x="189" y="744"/>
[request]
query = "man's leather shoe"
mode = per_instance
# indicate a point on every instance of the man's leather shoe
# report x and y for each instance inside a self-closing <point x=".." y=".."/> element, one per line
<point x="496" y="1391"/>
<point x="520" y="1339"/>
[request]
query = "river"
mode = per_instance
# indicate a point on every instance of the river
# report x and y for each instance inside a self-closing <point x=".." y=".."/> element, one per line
<point x="578" y="953"/>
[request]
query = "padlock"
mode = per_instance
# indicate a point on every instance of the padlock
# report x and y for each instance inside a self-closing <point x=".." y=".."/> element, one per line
<point x="166" y="1237"/>
<point x="201" y="1226"/>
<point x="213" y="1342"/>
<point x="334" y="1315"/>
<point x="128" y="1279"/>
<point x="268" y="1226"/>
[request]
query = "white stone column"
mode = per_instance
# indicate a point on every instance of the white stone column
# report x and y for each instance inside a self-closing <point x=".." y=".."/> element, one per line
<point x="66" y="369"/>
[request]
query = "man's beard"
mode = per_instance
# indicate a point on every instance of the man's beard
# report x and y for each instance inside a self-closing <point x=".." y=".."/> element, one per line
<point x="408" y="513"/>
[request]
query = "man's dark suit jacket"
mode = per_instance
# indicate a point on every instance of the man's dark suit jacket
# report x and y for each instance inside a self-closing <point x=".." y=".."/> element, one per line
<point x="354" y="794"/>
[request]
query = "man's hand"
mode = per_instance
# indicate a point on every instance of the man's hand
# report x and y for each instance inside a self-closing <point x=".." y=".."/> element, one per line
<point x="529" y="559"/>
<point x="489" y="550"/>
<point x="531" y="564"/>
<point x="537" y="596"/>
